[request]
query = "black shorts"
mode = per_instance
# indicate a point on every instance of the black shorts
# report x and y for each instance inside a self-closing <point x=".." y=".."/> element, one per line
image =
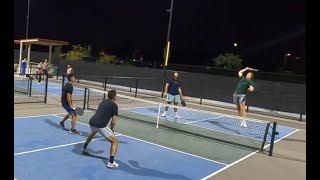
<point x="239" y="98"/>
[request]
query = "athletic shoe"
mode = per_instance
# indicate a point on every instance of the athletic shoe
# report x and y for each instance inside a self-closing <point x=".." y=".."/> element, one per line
<point x="84" y="151"/>
<point x="176" y="116"/>
<point x="163" y="114"/>
<point x="243" y="124"/>
<point x="112" y="165"/>
<point x="73" y="131"/>
<point x="61" y="123"/>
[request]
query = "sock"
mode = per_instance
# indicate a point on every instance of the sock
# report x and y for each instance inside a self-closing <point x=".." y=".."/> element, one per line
<point x="111" y="159"/>
<point x="85" y="145"/>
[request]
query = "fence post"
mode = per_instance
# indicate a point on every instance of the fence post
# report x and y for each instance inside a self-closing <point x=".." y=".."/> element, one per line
<point x="84" y="98"/>
<point x="63" y="78"/>
<point x="46" y="91"/>
<point x="30" y="89"/>
<point x="130" y="84"/>
<point x="136" y="88"/>
<point x="57" y="73"/>
<point x="88" y="91"/>
<point x="105" y="87"/>
<point x="275" y="96"/>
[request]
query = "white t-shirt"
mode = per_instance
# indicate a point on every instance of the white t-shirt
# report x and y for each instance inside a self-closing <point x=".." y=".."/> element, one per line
<point x="69" y="71"/>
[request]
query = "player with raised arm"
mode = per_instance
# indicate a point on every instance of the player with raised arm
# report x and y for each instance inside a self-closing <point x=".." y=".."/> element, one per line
<point x="244" y="86"/>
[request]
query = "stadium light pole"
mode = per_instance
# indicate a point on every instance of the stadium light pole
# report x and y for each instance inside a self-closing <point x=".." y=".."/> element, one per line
<point x="167" y="50"/>
<point x="285" y="60"/>
<point x="27" y="26"/>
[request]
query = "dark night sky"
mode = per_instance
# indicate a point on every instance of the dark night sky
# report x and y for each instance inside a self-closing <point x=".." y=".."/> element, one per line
<point x="265" y="30"/>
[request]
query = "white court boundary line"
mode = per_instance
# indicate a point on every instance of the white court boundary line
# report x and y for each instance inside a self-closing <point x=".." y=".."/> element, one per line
<point x="251" y="154"/>
<point x="189" y="154"/>
<point x="53" y="147"/>
<point x="211" y="175"/>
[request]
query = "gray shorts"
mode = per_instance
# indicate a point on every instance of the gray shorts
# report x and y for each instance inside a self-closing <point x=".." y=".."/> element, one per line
<point x="239" y="98"/>
<point x="105" y="132"/>
<point x="173" y="98"/>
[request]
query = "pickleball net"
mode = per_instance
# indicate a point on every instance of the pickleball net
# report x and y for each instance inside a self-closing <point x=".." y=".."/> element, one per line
<point x="195" y="122"/>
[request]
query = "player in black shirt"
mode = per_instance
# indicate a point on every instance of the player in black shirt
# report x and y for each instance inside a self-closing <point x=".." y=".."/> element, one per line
<point x="107" y="110"/>
<point x="66" y="100"/>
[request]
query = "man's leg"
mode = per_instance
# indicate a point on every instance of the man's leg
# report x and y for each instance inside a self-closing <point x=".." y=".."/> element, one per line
<point x="165" y="110"/>
<point x="238" y="108"/>
<point x="110" y="136"/>
<point x="176" y="111"/>
<point x="114" y="146"/>
<point x="73" y="121"/>
<point x="39" y="79"/>
<point x="73" y="124"/>
<point x="243" y="112"/>
<point x="63" y="120"/>
<point x="88" y="140"/>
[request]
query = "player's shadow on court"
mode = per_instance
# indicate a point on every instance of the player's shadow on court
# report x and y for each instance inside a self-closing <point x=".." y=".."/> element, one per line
<point x="136" y="169"/>
<point x="92" y="153"/>
<point x="57" y="126"/>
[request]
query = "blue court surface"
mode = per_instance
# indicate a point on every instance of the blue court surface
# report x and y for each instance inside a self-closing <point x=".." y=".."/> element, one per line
<point x="44" y="150"/>
<point x="217" y="122"/>
<point x="53" y="88"/>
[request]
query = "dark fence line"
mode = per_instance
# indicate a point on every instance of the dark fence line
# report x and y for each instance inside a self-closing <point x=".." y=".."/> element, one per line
<point x="273" y="95"/>
<point x="30" y="88"/>
<point x="277" y="77"/>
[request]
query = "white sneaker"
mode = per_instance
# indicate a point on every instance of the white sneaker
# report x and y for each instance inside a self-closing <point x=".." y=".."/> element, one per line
<point x="163" y="114"/>
<point x="243" y="124"/>
<point x="112" y="165"/>
<point x="177" y="116"/>
<point x="84" y="151"/>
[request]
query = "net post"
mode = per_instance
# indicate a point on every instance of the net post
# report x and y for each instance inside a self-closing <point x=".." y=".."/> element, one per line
<point x="46" y="91"/>
<point x="135" y="95"/>
<point x="105" y="87"/>
<point x="158" y="116"/>
<point x="265" y="137"/>
<point x="200" y="101"/>
<point x="247" y="108"/>
<point x="274" y="133"/>
<point x="84" y="98"/>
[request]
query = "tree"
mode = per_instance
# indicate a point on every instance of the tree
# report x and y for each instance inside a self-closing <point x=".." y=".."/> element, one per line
<point x="57" y="52"/>
<point x="78" y="53"/>
<point x="227" y="61"/>
<point x="87" y="51"/>
<point x="105" y="58"/>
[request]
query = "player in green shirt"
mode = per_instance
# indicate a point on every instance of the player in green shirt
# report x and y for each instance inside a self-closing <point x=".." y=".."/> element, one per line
<point x="244" y="86"/>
